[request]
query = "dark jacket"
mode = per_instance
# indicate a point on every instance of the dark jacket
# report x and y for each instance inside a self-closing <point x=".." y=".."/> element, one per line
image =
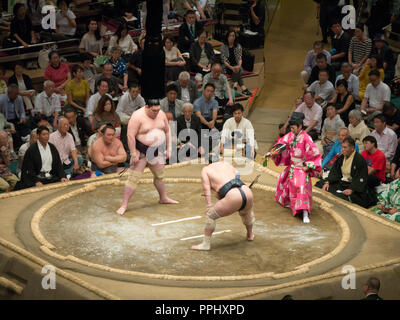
<point x="22" y="28"/>
<point x="82" y="131"/>
<point x="387" y="56"/>
<point x="32" y="165"/>
<point x="259" y="11"/>
<point x="184" y="32"/>
<point x="27" y="80"/>
<point x="195" y="125"/>
<point x="359" y="173"/>
<point x="315" y="72"/>
<point x="195" y="53"/>
<point x="192" y="87"/>
<point x="341" y="45"/>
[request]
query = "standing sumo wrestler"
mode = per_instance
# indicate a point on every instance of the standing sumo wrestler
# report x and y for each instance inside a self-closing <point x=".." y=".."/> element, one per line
<point x="303" y="161"/>
<point x="149" y="140"/>
<point x="233" y="196"/>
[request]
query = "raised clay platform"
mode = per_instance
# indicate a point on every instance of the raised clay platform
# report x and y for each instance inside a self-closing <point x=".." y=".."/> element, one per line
<point x="146" y="254"/>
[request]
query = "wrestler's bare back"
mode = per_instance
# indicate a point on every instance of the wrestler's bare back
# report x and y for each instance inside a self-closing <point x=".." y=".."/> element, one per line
<point x="147" y="130"/>
<point x="219" y="174"/>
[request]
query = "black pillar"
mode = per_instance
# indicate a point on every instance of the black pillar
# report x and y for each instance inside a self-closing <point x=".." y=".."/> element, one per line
<point x="153" y="63"/>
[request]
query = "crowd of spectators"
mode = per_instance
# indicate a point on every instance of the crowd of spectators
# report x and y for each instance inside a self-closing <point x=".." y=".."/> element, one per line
<point x="348" y="106"/>
<point x="58" y="132"/>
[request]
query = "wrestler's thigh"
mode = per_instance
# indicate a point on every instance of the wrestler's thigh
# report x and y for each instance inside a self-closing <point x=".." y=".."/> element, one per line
<point x="156" y="167"/>
<point x="249" y="199"/>
<point x="159" y="160"/>
<point x="140" y="165"/>
<point x="230" y="204"/>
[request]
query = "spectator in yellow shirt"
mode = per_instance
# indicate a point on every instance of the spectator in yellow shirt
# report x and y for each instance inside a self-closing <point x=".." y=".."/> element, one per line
<point x="77" y="90"/>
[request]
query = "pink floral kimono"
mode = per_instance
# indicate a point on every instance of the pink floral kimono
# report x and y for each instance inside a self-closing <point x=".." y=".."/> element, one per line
<point x="294" y="188"/>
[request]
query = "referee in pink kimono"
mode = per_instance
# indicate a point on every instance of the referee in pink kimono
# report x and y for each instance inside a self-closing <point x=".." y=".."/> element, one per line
<point x="302" y="160"/>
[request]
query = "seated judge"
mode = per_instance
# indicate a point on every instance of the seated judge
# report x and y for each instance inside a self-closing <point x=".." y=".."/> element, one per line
<point x="189" y="133"/>
<point x="348" y="178"/>
<point x="170" y="103"/>
<point x="42" y="163"/>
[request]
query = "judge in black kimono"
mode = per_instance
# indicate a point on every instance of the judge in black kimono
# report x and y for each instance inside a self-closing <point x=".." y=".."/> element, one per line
<point x="42" y="163"/>
<point x="349" y="176"/>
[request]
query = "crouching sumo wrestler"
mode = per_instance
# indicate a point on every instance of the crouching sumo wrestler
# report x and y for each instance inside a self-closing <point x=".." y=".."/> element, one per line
<point x="233" y="196"/>
<point x="149" y="139"/>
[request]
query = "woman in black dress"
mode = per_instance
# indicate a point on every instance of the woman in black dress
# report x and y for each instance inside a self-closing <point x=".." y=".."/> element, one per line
<point x="343" y="100"/>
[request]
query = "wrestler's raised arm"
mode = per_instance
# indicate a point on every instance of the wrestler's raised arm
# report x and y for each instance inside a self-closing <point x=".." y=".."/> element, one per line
<point x="133" y="129"/>
<point x="205" y="181"/>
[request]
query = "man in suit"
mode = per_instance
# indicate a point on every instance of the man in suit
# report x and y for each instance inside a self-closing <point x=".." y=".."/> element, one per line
<point x="42" y="163"/>
<point x="189" y="31"/>
<point x="371" y="289"/>
<point x="189" y="134"/>
<point x="348" y="178"/>
<point x="170" y="104"/>
<point x="187" y="89"/>
<point x="78" y="128"/>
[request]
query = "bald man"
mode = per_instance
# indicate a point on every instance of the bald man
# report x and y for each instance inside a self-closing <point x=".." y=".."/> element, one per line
<point x="64" y="142"/>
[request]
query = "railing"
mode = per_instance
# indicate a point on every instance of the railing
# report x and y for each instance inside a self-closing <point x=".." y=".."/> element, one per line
<point x="20" y="55"/>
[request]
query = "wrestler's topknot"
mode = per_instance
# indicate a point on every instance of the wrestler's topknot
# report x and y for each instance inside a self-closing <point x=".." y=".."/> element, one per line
<point x="153" y="102"/>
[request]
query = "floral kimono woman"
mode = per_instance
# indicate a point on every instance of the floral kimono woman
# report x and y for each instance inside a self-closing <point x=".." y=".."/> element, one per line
<point x="389" y="202"/>
<point x="303" y="161"/>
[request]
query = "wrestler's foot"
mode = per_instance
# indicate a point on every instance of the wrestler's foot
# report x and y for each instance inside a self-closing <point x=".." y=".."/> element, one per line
<point x="121" y="211"/>
<point x="306" y="219"/>
<point x="168" y="201"/>
<point x="202" y="247"/>
<point x="250" y="237"/>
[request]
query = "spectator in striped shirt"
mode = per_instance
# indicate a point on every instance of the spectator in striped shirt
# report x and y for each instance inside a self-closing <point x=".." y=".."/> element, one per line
<point x="360" y="49"/>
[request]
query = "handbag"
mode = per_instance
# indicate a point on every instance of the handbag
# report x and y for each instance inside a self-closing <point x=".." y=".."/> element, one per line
<point x="248" y="60"/>
<point x="101" y="60"/>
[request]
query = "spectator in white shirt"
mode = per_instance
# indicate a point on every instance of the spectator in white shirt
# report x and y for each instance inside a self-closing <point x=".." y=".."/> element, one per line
<point x="386" y="138"/>
<point x="322" y="89"/>
<point x="358" y="130"/>
<point x="130" y="102"/>
<point x="376" y="94"/>
<point x="241" y="131"/>
<point x="65" y="18"/>
<point x="48" y="103"/>
<point x="312" y="115"/>
<point x="122" y="39"/>
<point x="102" y="89"/>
